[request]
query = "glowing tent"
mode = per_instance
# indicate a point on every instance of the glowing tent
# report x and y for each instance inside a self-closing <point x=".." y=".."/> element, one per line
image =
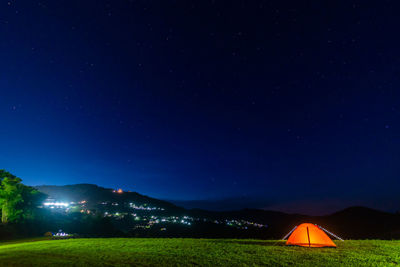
<point x="310" y="235"/>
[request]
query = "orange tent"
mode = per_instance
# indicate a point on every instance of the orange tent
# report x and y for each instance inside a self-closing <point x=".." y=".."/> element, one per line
<point x="309" y="235"/>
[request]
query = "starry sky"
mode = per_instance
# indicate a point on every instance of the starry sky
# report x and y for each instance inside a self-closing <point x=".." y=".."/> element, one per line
<point x="284" y="105"/>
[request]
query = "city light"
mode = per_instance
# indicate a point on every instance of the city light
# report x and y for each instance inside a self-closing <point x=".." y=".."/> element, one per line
<point x="56" y="204"/>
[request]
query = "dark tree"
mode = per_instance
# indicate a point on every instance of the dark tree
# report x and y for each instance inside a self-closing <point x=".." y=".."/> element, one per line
<point x="17" y="201"/>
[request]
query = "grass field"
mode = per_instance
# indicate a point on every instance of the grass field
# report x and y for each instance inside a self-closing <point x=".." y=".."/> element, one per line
<point x="191" y="252"/>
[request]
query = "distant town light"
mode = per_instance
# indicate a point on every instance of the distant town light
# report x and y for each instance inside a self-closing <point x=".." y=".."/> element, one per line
<point x="60" y="233"/>
<point x="56" y="204"/>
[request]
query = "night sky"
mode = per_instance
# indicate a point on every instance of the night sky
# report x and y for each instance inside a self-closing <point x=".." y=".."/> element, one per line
<point x="281" y="105"/>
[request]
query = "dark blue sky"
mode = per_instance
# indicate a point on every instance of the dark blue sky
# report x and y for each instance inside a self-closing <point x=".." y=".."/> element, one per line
<point x="284" y="102"/>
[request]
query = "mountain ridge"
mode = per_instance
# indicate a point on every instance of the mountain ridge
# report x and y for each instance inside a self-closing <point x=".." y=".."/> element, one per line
<point x="353" y="222"/>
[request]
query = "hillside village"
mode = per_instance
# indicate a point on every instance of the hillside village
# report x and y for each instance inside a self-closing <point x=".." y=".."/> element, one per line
<point x="143" y="214"/>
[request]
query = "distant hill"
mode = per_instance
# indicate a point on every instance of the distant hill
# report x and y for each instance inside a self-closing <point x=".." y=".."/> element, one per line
<point x="362" y="222"/>
<point x="350" y="223"/>
<point x="96" y="194"/>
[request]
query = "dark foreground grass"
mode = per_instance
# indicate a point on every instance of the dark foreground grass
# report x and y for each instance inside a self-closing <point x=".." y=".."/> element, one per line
<point x="191" y="252"/>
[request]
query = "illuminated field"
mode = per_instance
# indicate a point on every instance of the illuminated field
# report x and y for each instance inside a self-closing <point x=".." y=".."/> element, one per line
<point x="184" y="252"/>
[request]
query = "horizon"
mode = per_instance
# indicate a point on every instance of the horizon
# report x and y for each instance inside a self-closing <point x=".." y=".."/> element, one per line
<point x="285" y="105"/>
<point x="240" y="203"/>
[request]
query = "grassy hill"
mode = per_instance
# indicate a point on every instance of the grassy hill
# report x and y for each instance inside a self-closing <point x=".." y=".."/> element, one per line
<point x="190" y="252"/>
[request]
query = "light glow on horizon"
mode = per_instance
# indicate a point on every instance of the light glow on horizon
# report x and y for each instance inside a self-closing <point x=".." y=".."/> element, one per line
<point x="57" y="204"/>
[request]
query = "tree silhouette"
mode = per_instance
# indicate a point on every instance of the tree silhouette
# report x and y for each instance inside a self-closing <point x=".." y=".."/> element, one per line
<point x="17" y="201"/>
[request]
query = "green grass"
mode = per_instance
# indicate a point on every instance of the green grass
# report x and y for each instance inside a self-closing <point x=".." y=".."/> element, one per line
<point x="191" y="252"/>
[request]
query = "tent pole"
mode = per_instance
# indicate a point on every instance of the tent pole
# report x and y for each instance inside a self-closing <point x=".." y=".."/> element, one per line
<point x="294" y="228"/>
<point x="332" y="234"/>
